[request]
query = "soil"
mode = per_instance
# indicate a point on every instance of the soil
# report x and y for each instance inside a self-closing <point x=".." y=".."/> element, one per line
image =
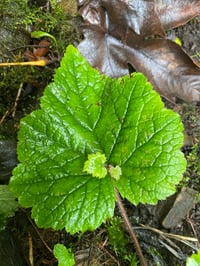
<point x="160" y="244"/>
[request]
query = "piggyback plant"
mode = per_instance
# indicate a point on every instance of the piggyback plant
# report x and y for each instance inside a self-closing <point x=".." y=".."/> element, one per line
<point x="95" y="135"/>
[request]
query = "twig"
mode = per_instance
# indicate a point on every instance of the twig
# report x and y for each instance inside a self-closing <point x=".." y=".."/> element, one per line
<point x="177" y="237"/>
<point x="41" y="238"/>
<point x="183" y="239"/>
<point x="13" y="109"/>
<point x="130" y="229"/>
<point x="193" y="229"/>
<point x="4" y="116"/>
<point x="109" y="254"/>
<point x="29" y="63"/>
<point x="17" y="99"/>
<point x="30" y="241"/>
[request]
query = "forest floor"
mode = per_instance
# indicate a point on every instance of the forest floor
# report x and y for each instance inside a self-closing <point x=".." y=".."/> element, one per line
<point x="163" y="243"/>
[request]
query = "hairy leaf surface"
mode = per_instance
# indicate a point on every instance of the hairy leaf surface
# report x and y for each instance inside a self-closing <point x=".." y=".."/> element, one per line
<point x="122" y="33"/>
<point x="84" y="113"/>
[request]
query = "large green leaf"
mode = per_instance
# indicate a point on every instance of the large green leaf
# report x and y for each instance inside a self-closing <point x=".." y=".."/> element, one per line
<point x="84" y="113"/>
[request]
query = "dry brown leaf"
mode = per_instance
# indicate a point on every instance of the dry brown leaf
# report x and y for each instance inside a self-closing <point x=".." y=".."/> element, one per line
<point x="121" y="32"/>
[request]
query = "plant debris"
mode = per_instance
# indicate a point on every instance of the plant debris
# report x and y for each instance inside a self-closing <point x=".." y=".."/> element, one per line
<point x="118" y="34"/>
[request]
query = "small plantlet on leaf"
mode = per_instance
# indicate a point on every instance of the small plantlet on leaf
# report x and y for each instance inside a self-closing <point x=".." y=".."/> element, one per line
<point x="115" y="172"/>
<point x="95" y="165"/>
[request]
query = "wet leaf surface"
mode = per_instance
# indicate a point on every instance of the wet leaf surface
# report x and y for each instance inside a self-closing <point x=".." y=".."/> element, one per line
<point x="85" y="121"/>
<point x="121" y="33"/>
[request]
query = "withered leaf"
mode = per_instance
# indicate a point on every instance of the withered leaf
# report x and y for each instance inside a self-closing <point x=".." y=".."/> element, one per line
<point x="173" y="13"/>
<point x="121" y="32"/>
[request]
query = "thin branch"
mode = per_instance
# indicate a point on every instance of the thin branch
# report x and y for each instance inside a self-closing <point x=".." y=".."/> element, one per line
<point x="17" y="99"/>
<point x="29" y="63"/>
<point x="109" y="254"/>
<point x="130" y="229"/>
<point x="38" y="233"/>
<point x="30" y="241"/>
<point x="4" y="116"/>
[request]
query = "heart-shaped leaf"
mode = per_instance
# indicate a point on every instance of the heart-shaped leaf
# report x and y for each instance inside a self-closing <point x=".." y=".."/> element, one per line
<point x="87" y="120"/>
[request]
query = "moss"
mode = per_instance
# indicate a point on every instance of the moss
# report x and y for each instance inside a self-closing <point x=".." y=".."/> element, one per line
<point x="17" y="20"/>
<point x="193" y="167"/>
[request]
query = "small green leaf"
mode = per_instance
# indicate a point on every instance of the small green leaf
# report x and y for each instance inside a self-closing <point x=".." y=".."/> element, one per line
<point x="64" y="256"/>
<point x="178" y="41"/>
<point x="40" y="34"/>
<point x="194" y="260"/>
<point x="84" y="113"/>
<point x="8" y="205"/>
<point x="115" y="172"/>
<point x="95" y="165"/>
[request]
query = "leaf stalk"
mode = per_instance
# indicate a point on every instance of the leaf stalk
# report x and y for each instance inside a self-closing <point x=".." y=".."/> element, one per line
<point x="130" y="229"/>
